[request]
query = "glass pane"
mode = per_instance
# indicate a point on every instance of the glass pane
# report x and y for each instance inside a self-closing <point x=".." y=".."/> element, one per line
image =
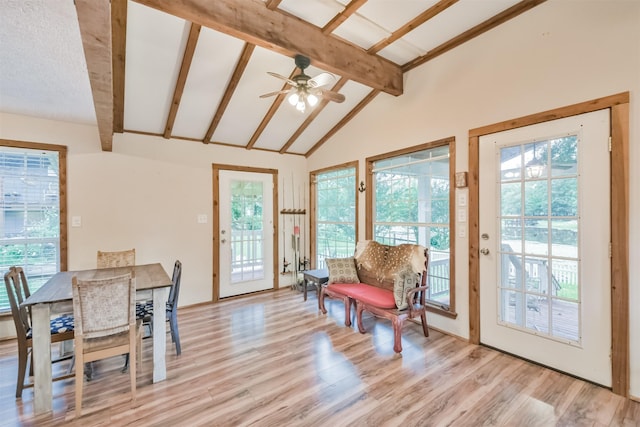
<point x="565" y="279"/>
<point x="335" y="214"/>
<point x="564" y="156"/>
<point x="411" y="201"/>
<point x="565" y="319"/>
<point x="439" y="201"/>
<point x="511" y="199"/>
<point x="439" y="268"/>
<point x="537" y="274"/>
<point x="246" y="231"/>
<point x="564" y="238"/>
<point x="535" y="237"/>
<point x="536" y="198"/>
<point x="512" y="307"/>
<point x="511" y="233"/>
<point x="536" y="160"/>
<point x="539" y="227"/>
<point x="29" y="215"/>
<point x="510" y="163"/>
<point x="511" y="272"/>
<point x="564" y="197"/>
<point x="440" y="238"/>
<point x="537" y="314"/>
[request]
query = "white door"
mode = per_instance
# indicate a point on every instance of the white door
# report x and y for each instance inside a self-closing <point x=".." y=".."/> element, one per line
<point x="246" y="232"/>
<point x="544" y="237"/>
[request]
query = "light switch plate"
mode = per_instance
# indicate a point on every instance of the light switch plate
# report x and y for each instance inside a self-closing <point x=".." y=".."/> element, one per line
<point x="76" y="221"/>
<point x="462" y="215"/>
<point x="202" y="218"/>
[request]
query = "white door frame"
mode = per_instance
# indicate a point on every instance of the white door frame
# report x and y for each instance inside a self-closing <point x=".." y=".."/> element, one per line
<point x="216" y="221"/>
<point x="619" y="118"/>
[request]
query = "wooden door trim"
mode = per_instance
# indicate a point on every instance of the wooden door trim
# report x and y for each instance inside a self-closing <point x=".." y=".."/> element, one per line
<point x="618" y="106"/>
<point x="216" y="168"/>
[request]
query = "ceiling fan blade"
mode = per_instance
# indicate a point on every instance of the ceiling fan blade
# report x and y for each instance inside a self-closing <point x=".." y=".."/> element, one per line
<point x="280" y="76"/>
<point x="332" y="96"/>
<point x="321" y="79"/>
<point x="278" y="92"/>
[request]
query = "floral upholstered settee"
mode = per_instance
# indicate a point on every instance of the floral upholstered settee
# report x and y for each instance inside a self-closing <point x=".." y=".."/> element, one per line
<point x="387" y="281"/>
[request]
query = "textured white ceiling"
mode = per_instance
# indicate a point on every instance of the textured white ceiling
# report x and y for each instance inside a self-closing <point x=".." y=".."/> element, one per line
<point x="42" y="68"/>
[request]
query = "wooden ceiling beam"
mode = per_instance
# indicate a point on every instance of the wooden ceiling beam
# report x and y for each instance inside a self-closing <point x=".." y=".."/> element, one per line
<point x="247" y="51"/>
<point x="119" y="47"/>
<point x="189" y="50"/>
<point x="254" y="23"/>
<point x="273" y="4"/>
<point x="346" y="119"/>
<point x="349" y="10"/>
<point x="471" y="33"/>
<point x="434" y="10"/>
<point x="94" y="19"/>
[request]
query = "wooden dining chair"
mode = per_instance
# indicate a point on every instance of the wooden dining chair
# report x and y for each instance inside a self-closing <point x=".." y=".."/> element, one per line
<point x="126" y="258"/>
<point x="117" y="258"/>
<point x="105" y="324"/>
<point x="144" y="310"/>
<point x="61" y="327"/>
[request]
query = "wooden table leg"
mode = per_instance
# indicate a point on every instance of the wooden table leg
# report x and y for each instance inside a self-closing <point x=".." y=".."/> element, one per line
<point x="42" y="389"/>
<point x="160" y="296"/>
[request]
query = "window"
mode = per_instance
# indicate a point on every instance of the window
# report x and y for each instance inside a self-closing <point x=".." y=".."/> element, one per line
<point x="412" y="203"/>
<point x="32" y="218"/>
<point x="333" y="229"/>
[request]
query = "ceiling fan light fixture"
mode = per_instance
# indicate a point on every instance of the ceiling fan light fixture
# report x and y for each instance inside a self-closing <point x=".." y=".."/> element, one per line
<point x="293" y="98"/>
<point x="306" y="91"/>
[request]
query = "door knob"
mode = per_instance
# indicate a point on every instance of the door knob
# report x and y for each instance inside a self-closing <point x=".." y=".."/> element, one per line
<point x="484" y="251"/>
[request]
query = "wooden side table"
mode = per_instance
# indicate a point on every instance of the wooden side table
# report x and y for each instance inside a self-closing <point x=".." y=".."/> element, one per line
<point x="317" y="277"/>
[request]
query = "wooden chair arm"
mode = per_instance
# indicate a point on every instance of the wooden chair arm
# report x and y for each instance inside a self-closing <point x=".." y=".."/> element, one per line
<point x="412" y="292"/>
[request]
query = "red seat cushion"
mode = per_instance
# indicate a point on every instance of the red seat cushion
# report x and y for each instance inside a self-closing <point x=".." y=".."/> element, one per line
<point x="343" y="288"/>
<point x="366" y="293"/>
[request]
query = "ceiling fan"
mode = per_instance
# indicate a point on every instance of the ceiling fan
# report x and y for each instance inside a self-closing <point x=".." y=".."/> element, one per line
<point x="306" y="90"/>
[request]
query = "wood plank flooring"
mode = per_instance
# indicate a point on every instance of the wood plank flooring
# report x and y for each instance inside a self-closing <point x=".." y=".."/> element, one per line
<point x="274" y="360"/>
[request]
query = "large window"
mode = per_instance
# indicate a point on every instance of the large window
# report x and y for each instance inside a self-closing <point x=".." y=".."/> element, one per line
<point x="32" y="219"/>
<point x="411" y="203"/>
<point x="335" y="200"/>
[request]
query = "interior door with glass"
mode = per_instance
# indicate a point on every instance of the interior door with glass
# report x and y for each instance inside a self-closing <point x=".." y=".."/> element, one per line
<point x="545" y="290"/>
<point x="246" y="232"/>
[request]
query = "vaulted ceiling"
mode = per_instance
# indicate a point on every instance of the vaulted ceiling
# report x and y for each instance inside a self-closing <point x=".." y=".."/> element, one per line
<point x="194" y="69"/>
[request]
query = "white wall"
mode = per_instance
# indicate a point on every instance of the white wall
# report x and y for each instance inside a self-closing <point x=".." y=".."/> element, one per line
<point x="557" y="54"/>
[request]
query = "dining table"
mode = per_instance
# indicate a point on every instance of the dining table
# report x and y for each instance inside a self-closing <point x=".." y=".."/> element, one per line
<point x="55" y="296"/>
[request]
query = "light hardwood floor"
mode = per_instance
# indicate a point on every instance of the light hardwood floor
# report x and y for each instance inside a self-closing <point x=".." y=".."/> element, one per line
<point x="274" y="360"/>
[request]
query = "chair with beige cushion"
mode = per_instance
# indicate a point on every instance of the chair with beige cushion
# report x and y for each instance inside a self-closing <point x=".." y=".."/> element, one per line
<point x="105" y="324"/>
<point x="61" y="327"/>
<point x="117" y="259"/>
<point x="126" y="258"/>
